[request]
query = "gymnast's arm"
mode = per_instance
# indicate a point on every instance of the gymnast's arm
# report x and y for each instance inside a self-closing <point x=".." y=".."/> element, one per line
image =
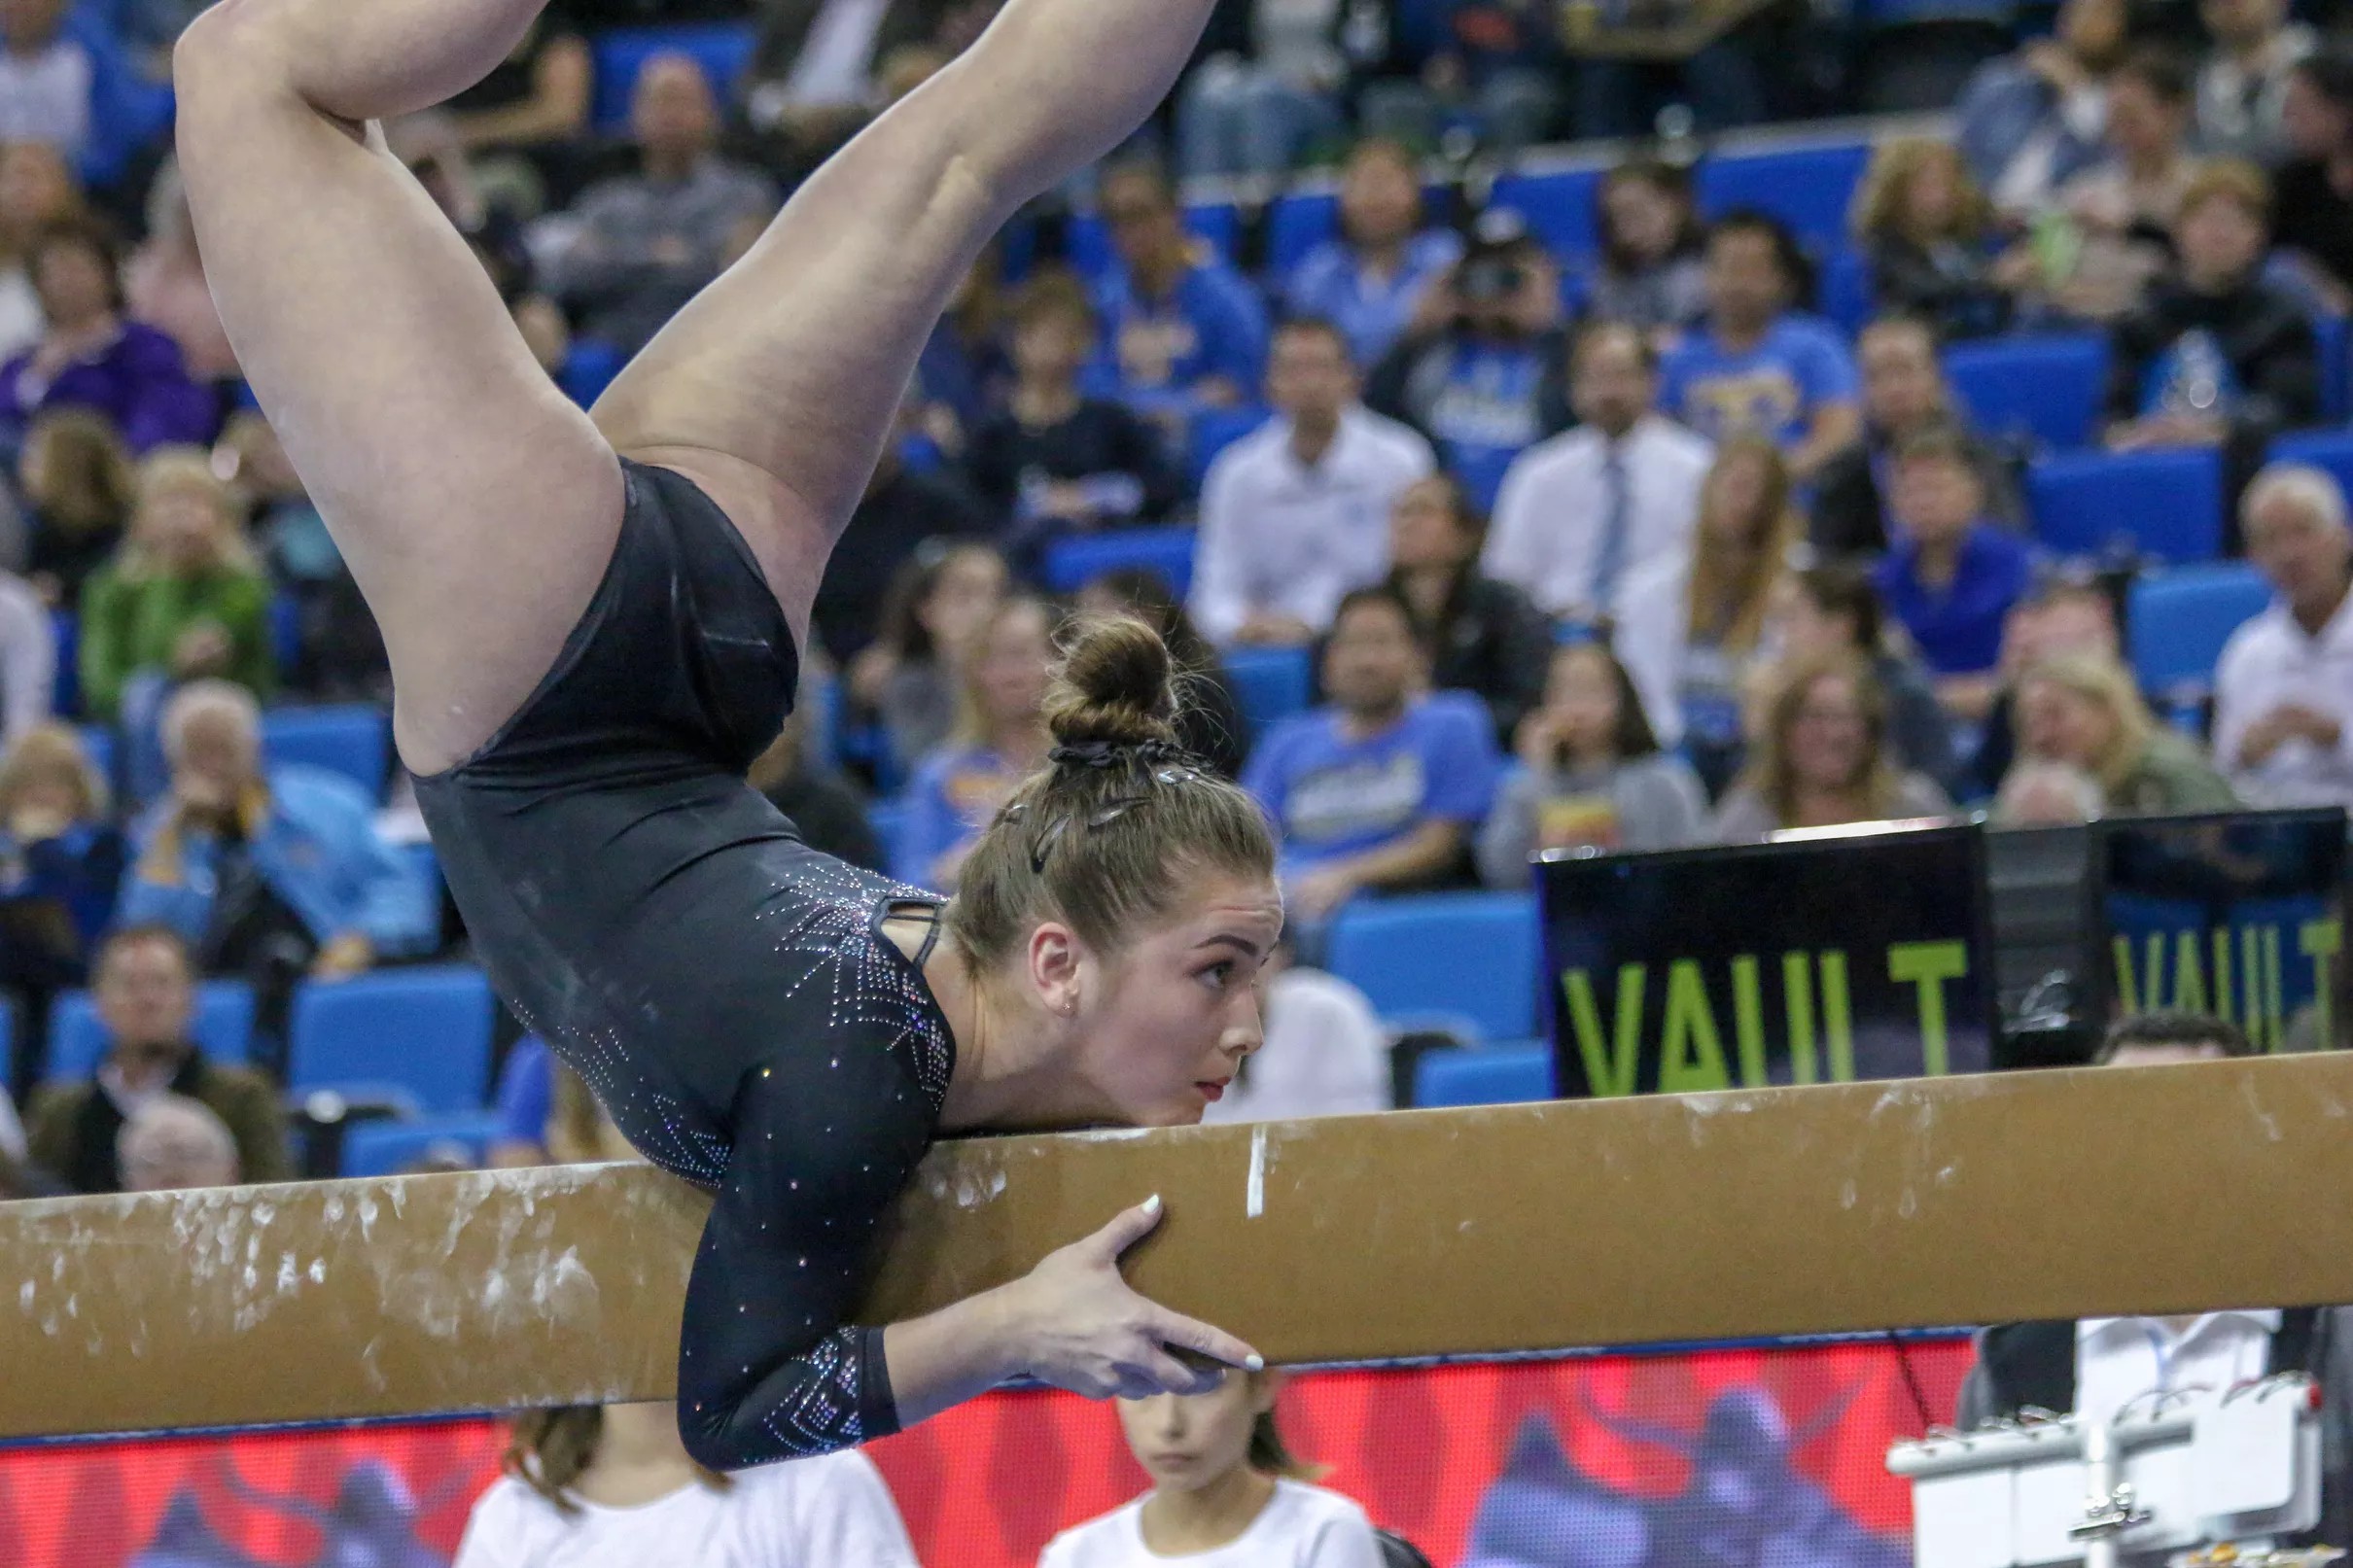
<point x="768" y="1365"/>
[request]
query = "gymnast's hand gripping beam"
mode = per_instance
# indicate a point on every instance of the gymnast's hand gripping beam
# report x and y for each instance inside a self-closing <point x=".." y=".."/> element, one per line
<point x="1420" y="1234"/>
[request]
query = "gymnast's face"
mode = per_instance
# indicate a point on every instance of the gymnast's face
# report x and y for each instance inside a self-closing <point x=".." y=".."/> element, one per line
<point x="1169" y="1018"/>
<point x="1186" y="1442"/>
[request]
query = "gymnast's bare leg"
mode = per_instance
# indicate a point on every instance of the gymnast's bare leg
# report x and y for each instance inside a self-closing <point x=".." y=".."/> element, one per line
<point x="475" y="507"/>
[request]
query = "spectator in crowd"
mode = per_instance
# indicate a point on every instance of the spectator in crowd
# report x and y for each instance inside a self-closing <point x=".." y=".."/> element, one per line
<point x="1651" y="274"/>
<point x="1927" y="229"/>
<point x="2108" y="231"/>
<point x="531" y="111"/>
<point x="338" y="652"/>
<point x="2084" y="710"/>
<point x="1325" y="1052"/>
<point x="1225" y="1491"/>
<point x="1211" y="726"/>
<point x="1582" y="513"/>
<point x="89" y="356"/>
<point x="2046" y="794"/>
<point x="66" y="81"/>
<point x="62" y="863"/>
<point x="2214" y="356"/>
<point x="1689" y="637"/>
<point x="1823" y="759"/>
<point x="2283" y="691"/>
<point x="2312" y="189"/>
<point x="1903" y="395"/>
<point x="1481" y="371"/>
<point x="1756" y="368"/>
<point x="1477" y="635"/>
<point x="36" y="190"/>
<point x="80" y="488"/>
<point x="643" y="244"/>
<point x="1834" y="608"/>
<point x="183" y="599"/>
<point x="2244" y="81"/>
<point x="267" y="872"/>
<point x="1256" y="112"/>
<point x="831" y="815"/>
<point x="1951" y="574"/>
<point x="1491" y="68"/>
<point x="1381" y="791"/>
<point x="901" y="511"/>
<point x="816" y="72"/>
<point x="909" y="675"/>
<point x="172" y="1141"/>
<point x="1183" y="331"/>
<point x="431" y="145"/>
<point x="1296" y="514"/>
<point x="592" y="1485"/>
<point x="164" y="284"/>
<point x="964" y="374"/>
<point x="2061" y="615"/>
<point x="145" y="986"/>
<point x="1055" y="462"/>
<point x="1370" y="278"/>
<point x="999" y="739"/>
<point x="2032" y="120"/>
<point x="1591" y="773"/>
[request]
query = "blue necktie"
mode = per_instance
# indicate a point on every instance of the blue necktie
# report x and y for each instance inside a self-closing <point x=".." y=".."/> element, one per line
<point x="1617" y="521"/>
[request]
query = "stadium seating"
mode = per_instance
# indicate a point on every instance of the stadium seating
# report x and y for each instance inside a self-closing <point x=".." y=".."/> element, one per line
<point x="1079" y="558"/>
<point x="1490" y="1075"/>
<point x="383" y="1148"/>
<point x="1271" y="684"/>
<point x="352" y="739"/>
<point x="723" y="49"/>
<point x="1472" y="953"/>
<point x="2177" y="621"/>
<point x="65" y="690"/>
<point x="1295" y="225"/>
<point x="588" y="368"/>
<point x="2045" y="387"/>
<point x="78" y="1039"/>
<point x="2164" y="505"/>
<point x="1213" y="430"/>
<point x="426" y="1029"/>
<point x="2328" y="450"/>
<point x="1809" y="188"/>
<point x="1845" y="289"/>
<point x="1557" y="206"/>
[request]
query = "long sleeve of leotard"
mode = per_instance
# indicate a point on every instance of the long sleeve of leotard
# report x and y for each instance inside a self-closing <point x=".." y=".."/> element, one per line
<point x="825" y="1136"/>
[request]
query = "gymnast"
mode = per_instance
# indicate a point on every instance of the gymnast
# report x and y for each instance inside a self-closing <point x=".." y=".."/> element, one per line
<point x="594" y="621"/>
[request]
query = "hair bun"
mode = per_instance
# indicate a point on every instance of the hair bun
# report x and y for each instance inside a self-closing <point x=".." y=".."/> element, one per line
<point x="1117" y="685"/>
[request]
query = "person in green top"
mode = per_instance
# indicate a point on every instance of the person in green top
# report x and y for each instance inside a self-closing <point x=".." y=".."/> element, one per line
<point x="184" y="597"/>
<point x="2084" y="710"/>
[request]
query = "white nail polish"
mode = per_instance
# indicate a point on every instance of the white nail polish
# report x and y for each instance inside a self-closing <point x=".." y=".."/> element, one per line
<point x="1151" y="1205"/>
<point x="1255" y="1363"/>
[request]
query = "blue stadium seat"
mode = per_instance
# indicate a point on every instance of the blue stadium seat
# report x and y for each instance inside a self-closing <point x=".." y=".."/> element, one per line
<point x="1271" y="684"/>
<point x="1079" y="558"/>
<point x="65" y="692"/>
<point x="588" y="368"/>
<point x="2328" y="450"/>
<point x="1809" y="188"/>
<point x="1213" y="430"/>
<point x="723" y="49"/>
<point x="1559" y="207"/>
<point x="384" y="1148"/>
<point x="2049" y="387"/>
<point x="1296" y="224"/>
<point x="2177" y="621"/>
<point x="1847" y="292"/>
<point x="78" y="1039"/>
<point x="1492" y="1075"/>
<point x="426" y="1029"/>
<point x="425" y="866"/>
<point x="2329" y="339"/>
<point x="1467" y="952"/>
<point x="2165" y="505"/>
<point x="352" y="739"/>
<point x="285" y="631"/>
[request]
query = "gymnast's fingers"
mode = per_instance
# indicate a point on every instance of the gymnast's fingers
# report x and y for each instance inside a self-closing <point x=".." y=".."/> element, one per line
<point x="1127" y="1228"/>
<point x="1190" y="1337"/>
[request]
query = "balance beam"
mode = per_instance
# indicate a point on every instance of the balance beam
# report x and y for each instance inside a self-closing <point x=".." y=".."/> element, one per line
<point x="1418" y="1234"/>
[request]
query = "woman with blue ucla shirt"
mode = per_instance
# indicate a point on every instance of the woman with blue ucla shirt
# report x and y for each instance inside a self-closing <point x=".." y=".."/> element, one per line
<point x="999" y="739"/>
<point x="1182" y="329"/>
<point x="1755" y="367"/>
<point x="1952" y="577"/>
<point x="1369" y="280"/>
<point x="1382" y="789"/>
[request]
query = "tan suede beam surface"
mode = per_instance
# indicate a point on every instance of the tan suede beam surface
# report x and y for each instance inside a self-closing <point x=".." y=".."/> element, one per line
<point x="1444" y="1232"/>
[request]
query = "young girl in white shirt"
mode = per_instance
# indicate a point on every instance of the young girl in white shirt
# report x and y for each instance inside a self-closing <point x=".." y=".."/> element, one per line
<point x="1227" y="1492"/>
<point x="612" y="1488"/>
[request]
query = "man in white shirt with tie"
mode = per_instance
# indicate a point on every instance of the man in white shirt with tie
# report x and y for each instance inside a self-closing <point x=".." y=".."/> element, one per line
<point x="1614" y="501"/>
<point x="1296" y="514"/>
<point x="2283" y="691"/>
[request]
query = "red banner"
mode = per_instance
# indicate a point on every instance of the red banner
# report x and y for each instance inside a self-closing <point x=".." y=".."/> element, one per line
<point x="1727" y="1457"/>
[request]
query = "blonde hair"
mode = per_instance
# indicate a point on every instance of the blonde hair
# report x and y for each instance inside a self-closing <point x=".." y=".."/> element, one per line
<point x="51" y="750"/>
<point x="2234" y="179"/>
<point x="88" y="483"/>
<point x="1772" y="776"/>
<point x="2101" y="680"/>
<point x="188" y="468"/>
<point x="1779" y="529"/>
<point x="1880" y="202"/>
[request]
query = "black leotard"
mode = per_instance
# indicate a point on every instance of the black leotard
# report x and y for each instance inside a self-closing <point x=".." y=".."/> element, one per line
<point x="726" y="989"/>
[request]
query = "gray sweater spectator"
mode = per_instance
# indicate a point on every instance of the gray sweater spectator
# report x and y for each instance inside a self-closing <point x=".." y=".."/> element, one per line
<point x="643" y="244"/>
<point x="2243" y="83"/>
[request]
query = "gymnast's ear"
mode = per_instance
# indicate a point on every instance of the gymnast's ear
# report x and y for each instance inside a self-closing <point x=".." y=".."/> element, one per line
<point x="1055" y="953"/>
